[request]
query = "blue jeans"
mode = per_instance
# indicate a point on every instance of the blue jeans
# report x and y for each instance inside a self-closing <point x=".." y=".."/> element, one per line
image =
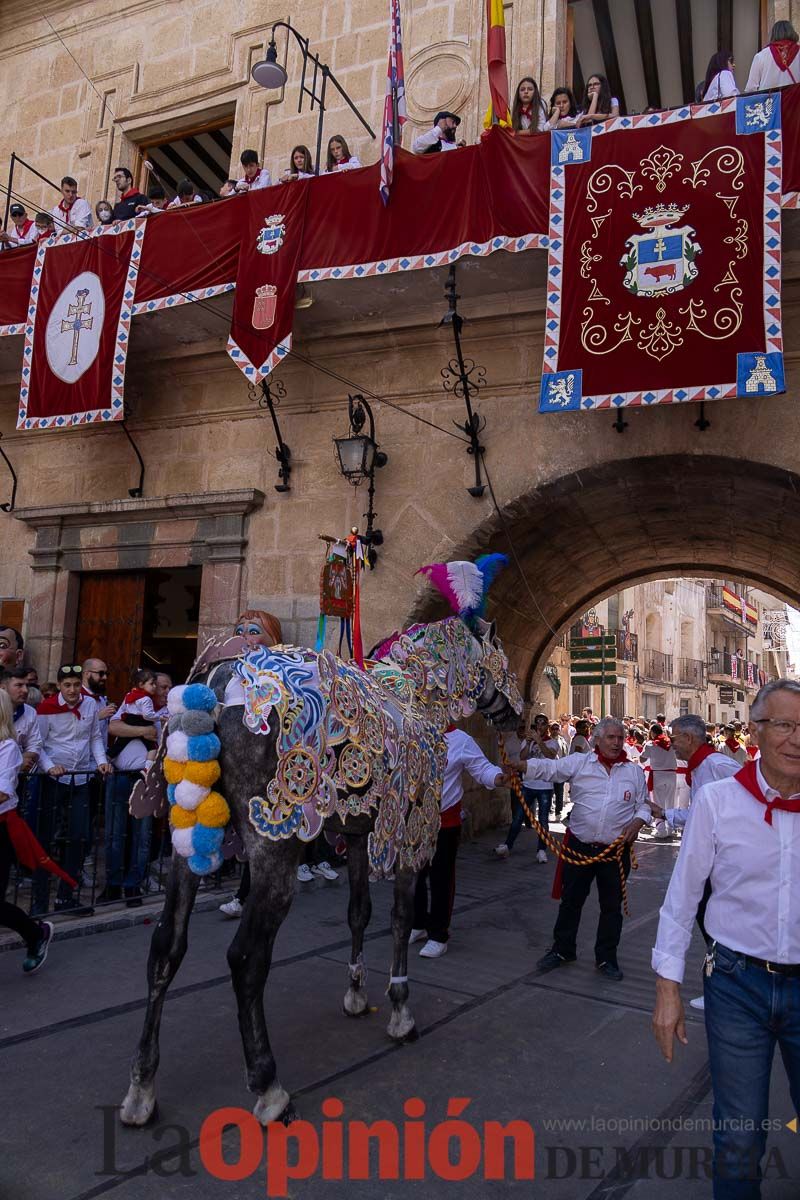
<point x="127" y="838"/>
<point x="539" y="804"/>
<point x="748" y="1010"/>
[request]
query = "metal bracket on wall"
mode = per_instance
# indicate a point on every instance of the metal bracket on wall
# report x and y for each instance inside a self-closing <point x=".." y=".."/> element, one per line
<point x="702" y="423"/>
<point x="272" y="392"/>
<point x="464" y="378"/>
<point x="138" y="491"/>
<point x="9" y="505"/>
<point x="619" y="424"/>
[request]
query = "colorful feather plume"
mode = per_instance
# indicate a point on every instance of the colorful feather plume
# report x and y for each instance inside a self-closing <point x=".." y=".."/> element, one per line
<point x="465" y="585"/>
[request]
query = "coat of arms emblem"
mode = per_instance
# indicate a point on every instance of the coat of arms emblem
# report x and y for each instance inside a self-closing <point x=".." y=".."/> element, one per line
<point x="270" y="237"/>
<point x="662" y="260"/>
<point x="264" y="305"/>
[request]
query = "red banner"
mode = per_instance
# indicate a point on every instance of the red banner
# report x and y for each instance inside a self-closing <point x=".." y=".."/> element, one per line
<point x="666" y="241"/>
<point x="16" y="269"/>
<point x="190" y="253"/>
<point x="77" y="334"/>
<point x="269" y="257"/>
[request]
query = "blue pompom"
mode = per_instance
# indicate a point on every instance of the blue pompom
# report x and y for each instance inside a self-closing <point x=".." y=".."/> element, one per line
<point x="206" y="840"/>
<point x="197" y="695"/>
<point x="200" y="864"/>
<point x="203" y="748"/>
<point x="171" y="792"/>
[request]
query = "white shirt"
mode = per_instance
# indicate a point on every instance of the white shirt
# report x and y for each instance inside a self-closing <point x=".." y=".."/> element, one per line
<point x="133" y="755"/>
<point x="350" y="165"/>
<point x="79" y="213"/>
<point x="602" y="803"/>
<point x="261" y="180"/>
<point x="765" y="72"/>
<point x="715" y="766"/>
<point x="423" y="140"/>
<point x="754" y="869"/>
<point x="21" y="234"/>
<point x="10" y="763"/>
<point x="72" y="743"/>
<point x="723" y="84"/>
<point x="464" y="754"/>
<point x="178" y="203"/>
<point x="28" y="732"/>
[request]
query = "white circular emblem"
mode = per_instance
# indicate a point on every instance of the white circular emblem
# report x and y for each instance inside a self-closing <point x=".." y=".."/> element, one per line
<point x="73" y="331"/>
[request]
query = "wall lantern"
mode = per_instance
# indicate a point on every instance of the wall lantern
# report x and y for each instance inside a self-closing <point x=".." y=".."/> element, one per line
<point x="359" y="457"/>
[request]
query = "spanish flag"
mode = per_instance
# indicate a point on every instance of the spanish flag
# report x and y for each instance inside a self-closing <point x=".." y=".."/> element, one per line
<point x="498" y="112"/>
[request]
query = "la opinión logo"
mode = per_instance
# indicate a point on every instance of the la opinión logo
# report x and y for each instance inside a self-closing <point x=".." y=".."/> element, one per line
<point x="235" y="1147"/>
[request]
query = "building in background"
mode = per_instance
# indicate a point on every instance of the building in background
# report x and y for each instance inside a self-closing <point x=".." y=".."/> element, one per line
<point x="682" y="645"/>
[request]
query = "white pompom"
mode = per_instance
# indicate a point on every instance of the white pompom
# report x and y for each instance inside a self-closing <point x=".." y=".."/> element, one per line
<point x="182" y="842"/>
<point x="178" y="747"/>
<point x="189" y="795"/>
<point x="175" y="699"/>
<point x="216" y="862"/>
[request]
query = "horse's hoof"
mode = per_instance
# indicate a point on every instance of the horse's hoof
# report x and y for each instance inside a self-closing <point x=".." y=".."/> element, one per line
<point x="288" y="1115"/>
<point x="272" y="1104"/>
<point x="139" y="1108"/>
<point x="355" y="1003"/>
<point x="401" y="1026"/>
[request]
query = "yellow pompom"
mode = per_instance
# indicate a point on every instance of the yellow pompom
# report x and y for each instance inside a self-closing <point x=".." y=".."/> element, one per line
<point x="174" y="771"/>
<point x="213" y="811"/>
<point x="182" y="818"/>
<point x="205" y="774"/>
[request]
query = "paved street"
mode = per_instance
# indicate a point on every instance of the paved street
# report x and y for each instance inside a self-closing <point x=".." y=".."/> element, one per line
<point x="567" y="1047"/>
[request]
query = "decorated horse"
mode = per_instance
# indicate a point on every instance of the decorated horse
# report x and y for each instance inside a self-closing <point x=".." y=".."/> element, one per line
<point x="286" y="742"/>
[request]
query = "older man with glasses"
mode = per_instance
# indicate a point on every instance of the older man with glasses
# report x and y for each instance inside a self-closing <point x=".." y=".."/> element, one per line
<point x="744" y="833"/>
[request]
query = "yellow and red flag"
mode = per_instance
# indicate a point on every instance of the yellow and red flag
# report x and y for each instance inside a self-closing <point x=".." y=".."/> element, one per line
<point x="498" y="112"/>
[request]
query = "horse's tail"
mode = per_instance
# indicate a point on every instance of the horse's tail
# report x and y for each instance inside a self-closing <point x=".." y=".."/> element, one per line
<point x="197" y="814"/>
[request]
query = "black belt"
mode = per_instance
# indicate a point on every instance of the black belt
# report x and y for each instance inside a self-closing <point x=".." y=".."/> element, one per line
<point x="790" y="969"/>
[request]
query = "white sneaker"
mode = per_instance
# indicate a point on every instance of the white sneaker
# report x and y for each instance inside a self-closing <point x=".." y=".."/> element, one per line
<point x="304" y="874"/>
<point x="698" y="1002"/>
<point x="502" y="851"/>
<point x="541" y="856"/>
<point x="416" y="935"/>
<point x="433" y="949"/>
<point x="233" y="908"/>
<point x="325" y="870"/>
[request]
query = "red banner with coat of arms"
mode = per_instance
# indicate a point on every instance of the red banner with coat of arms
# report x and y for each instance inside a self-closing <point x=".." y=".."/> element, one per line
<point x="664" y="259"/>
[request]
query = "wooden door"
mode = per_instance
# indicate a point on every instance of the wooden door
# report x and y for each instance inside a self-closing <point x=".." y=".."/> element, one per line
<point x="110" y="612"/>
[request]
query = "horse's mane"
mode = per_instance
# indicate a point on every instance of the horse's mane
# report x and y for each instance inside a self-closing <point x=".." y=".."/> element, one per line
<point x="381" y="649"/>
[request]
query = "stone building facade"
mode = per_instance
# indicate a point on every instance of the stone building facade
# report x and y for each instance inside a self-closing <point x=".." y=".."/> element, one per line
<point x="581" y="510"/>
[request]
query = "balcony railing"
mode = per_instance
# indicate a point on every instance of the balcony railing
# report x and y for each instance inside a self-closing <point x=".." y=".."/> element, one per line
<point x="691" y="672"/>
<point x="720" y="666"/>
<point x="716" y="606"/>
<point x="655" y="666"/>
<point x="627" y="646"/>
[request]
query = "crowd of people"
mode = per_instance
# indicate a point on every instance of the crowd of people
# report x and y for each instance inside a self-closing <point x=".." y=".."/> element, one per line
<point x="777" y="65"/>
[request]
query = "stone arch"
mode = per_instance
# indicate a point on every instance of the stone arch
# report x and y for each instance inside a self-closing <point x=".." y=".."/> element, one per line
<point x="591" y="532"/>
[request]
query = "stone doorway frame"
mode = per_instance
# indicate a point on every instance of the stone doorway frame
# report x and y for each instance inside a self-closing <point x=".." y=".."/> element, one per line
<point x="208" y="530"/>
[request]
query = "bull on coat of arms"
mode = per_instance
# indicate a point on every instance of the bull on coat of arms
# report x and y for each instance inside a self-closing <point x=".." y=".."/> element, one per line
<point x="270" y="237"/>
<point x="662" y="260"/>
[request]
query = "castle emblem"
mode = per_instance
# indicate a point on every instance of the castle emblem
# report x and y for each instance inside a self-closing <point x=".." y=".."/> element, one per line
<point x="662" y="260"/>
<point x="271" y="236"/>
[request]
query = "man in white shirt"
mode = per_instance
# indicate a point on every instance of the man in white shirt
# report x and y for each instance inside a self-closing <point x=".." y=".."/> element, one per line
<point x="704" y="763"/>
<point x="433" y="920"/>
<point x="778" y="64"/>
<point x="254" y="175"/>
<point x="539" y="798"/>
<point x="22" y="231"/>
<point x="26" y="724"/>
<point x="743" y="832"/>
<point x="609" y="800"/>
<point x="441" y="137"/>
<point x="71" y="746"/>
<point x="72" y="212"/>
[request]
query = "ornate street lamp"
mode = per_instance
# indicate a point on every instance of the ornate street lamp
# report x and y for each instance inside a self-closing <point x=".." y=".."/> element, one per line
<point x="359" y="458"/>
<point x="271" y="75"/>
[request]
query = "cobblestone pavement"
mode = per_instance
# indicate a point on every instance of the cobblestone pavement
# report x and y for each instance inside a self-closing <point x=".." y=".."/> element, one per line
<point x="569" y="1053"/>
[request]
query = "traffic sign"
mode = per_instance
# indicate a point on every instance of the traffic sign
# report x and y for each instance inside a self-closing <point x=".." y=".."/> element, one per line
<point x="593" y="666"/>
<point x="597" y="652"/>
<point x="586" y="643"/>
<point x="587" y="679"/>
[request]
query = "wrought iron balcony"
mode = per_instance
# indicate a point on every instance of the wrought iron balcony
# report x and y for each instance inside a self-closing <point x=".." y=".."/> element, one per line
<point x="691" y="672"/>
<point x="655" y="667"/>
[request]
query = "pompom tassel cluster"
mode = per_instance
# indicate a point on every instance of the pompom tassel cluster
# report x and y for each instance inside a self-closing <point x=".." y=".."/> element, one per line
<point x="197" y="814"/>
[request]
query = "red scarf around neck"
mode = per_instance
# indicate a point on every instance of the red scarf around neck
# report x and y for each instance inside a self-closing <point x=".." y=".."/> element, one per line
<point x="135" y="694"/>
<point x="54" y="706"/>
<point x="784" y="53"/>
<point x="748" y="778"/>
<point x="699" y="756"/>
<point x="663" y="741"/>
<point x="733" y="744"/>
<point x="610" y="762"/>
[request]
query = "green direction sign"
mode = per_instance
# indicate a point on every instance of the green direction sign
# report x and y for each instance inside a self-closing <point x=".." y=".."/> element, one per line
<point x="586" y="643"/>
<point x="592" y="667"/>
<point x="593" y="652"/>
<point x="579" y="680"/>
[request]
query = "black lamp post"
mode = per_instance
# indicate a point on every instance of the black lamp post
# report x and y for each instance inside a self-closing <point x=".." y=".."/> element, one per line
<point x="271" y="75"/>
<point x="359" y="458"/>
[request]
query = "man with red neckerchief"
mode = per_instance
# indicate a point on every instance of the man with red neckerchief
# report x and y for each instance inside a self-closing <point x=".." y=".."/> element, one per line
<point x="704" y="763"/>
<point x="744" y="833"/>
<point x="778" y="64"/>
<point x="609" y="800"/>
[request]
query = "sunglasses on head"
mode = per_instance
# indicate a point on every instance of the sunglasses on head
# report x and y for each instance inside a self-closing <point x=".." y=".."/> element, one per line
<point x="71" y="671"/>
